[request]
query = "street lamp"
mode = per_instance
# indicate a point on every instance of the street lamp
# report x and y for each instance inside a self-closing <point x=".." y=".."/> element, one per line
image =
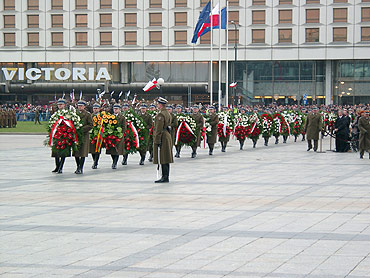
<point x="236" y="54"/>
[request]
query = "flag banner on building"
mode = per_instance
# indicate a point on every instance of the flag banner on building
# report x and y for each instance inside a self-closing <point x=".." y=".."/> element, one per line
<point x="150" y="85"/>
<point x="233" y="85"/>
<point x="203" y="17"/>
<point x="206" y="26"/>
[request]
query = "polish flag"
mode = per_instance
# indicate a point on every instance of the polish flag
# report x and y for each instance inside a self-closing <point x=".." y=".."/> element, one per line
<point x="150" y="85"/>
<point x="233" y="85"/>
<point x="215" y="15"/>
<point x="134" y="100"/>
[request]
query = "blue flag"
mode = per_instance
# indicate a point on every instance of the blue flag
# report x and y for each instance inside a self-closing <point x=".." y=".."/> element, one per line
<point x="203" y="17"/>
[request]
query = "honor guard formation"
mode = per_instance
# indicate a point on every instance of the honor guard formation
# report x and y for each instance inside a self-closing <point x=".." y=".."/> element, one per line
<point x="77" y="129"/>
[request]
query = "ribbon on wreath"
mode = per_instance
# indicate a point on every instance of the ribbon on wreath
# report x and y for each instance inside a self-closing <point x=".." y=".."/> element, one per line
<point x="254" y="126"/>
<point x="204" y="136"/>
<point x="237" y="124"/>
<point x="99" y="140"/>
<point x="225" y="124"/>
<point x="136" y="134"/>
<point x="55" y="128"/>
<point x="278" y="120"/>
<point x="178" y="132"/>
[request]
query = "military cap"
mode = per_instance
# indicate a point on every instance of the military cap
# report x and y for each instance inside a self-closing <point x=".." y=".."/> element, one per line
<point x="211" y="107"/>
<point x="143" y="105"/>
<point x="169" y="106"/>
<point x="125" y="105"/>
<point x="61" y="101"/>
<point x="162" y="100"/>
<point x="315" y="108"/>
<point x="96" y="105"/>
<point x="179" y="106"/>
<point x="152" y="105"/>
<point x="117" y="106"/>
<point x="81" y="102"/>
<point x="195" y="106"/>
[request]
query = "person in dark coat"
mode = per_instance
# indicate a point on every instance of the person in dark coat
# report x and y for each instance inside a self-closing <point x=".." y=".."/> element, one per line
<point x="212" y="135"/>
<point x="198" y="118"/>
<point x="313" y="126"/>
<point x="83" y="150"/>
<point x="341" y="128"/>
<point x="364" y="128"/>
<point x="95" y="153"/>
<point x="148" y="125"/>
<point x="162" y="141"/>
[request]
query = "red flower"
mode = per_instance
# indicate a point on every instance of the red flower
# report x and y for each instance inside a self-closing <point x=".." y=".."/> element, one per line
<point x="141" y="138"/>
<point x="63" y="147"/>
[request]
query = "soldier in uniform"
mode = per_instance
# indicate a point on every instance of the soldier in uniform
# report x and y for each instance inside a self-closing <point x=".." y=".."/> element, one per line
<point x="198" y="118"/>
<point x="178" y="111"/>
<point x="6" y="117"/>
<point x="83" y="150"/>
<point x="119" y="149"/>
<point x="173" y="123"/>
<point x="37" y="116"/>
<point x="94" y="153"/>
<point x="59" y="161"/>
<point x="162" y="141"/>
<point x="125" y="107"/>
<point x="313" y="127"/>
<point x="342" y="132"/>
<point x="224" y="140"/>
<point x="1" y="117"/>
<point x="148" y="125"/>
<point x="14" y="118"/>
<point x="212" y="136"/>
<point x="152" y="108"/>
<point x="364" y="127"/>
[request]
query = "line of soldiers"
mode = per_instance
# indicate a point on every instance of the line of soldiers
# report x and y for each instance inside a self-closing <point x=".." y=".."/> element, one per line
<point x="8" y="118"/>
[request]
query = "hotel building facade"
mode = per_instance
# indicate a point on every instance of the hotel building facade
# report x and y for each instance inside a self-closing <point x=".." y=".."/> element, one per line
<point x="278" y="50"/>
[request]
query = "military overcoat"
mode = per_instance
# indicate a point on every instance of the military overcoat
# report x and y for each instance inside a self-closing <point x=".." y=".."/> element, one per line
<point x="162" y="141"/>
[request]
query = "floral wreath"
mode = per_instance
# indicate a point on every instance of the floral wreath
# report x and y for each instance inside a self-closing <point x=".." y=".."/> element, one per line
<point x="137" y="136"/>
<point x="186" y="130"/>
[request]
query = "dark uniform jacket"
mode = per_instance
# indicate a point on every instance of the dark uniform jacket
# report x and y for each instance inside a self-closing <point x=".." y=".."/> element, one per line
<point x="162" y="138"/>
<point x="313" y="126"/>
<point x="83" y="150"/>
<point x="174" y="124"/>
<point x="198" y="118"/>
<point x="212" y="137"/>
<point x="148" y="125"/>
<point x="120" y="148"/>
<point x="364" y="127"/>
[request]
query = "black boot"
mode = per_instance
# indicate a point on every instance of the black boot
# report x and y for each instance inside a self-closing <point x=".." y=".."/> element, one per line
<point x="210" y="150"/>
<point x="77" y="159"/>
<point x="61" y="164"/>
<point x="57" y="162"/>
<point x="115" y="160"/>
<point x="266" y="141"/>
<point x="142" y="159"/>
<point x="284" y="139"/>
<point x="241" y="145"/>
<point x="254" y="143"/>
<point x="165" y="173"/>
<point x="82" y="162"/>
<point x="124" y="161"/>
<point x="304" y="137"/>
<point x="277" y="140"/>
<point x="295" y="138"/>
<point x="150" y="159"/>
<point x="94" y="158"/>
<point x="194" y="154"/>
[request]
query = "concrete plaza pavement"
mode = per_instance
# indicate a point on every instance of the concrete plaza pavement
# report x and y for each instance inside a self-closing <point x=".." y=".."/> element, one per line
<point x="276" y="211"/>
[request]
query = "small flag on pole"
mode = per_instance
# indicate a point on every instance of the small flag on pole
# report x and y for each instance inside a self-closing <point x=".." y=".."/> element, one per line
<point x="150" y="85"/>
<point x="233" y="85"/>
<point x="120" y="94"/>
<point x="134" y="100"/>
<point x="80" y="95"/>
<point x="111" y="94"/>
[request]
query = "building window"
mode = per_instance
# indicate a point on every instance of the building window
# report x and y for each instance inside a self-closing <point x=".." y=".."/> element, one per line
<point x="340" y="34"/>
<point x="81" y="20"/>
<point x="312" y="1"/>
<point x="9" y="39"/>
<point x="57" y="4"/>
<point x="9" y="4"/>
<point x="32" y="4"/>
<point x="258" y="2"/>
<point x="155" y="4"/>
<point x="365" y="0"/>
<point x="57" y="39"/>
<point x="155" y="37"/>
<point x="131" y="19"/>
<point x="81" y="38"/>
<point x="105" y="4"/>
<point x="155" y="19"/>
<point x="57" y="21"/>
<point x="285" y="2"/>
<point x="203" y="2"/>
<point x="234" y="16"/>
<point x="33" y="21"/>
<point x="365" y="33"/>
<point x="206" y="38"/>
<point x="9" y="21"/>
<point x="340" y="1"/>
<point x="285" y="35"/>
<point x="340" y="15"/>
<point x="258" y="17"/>
<point x="312" y="35"/>
<point x="181" y="3"/>
<point x="130" y="38"/>
<point x="181" y="19"/>
<point x="33" y="39"/>
<point x="313" y="16"/>
<point x="233" y="36"/>
<point x="105" y="38"/>
<point x="81" y="4"/>
<point x="233" y="2"/>
<point x="181" y="37"/>
<point x="105" y="20"/>
<point x="365" y="14"/>
<point x="130" y="4"/>
<point x="258" y="36"/>
<point x="285" y="16"/>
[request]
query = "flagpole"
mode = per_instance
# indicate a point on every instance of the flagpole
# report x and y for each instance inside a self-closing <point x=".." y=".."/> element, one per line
<point x="227" y="53"/>
<point x="219" y="56"/>
<point x="211" y="53"/>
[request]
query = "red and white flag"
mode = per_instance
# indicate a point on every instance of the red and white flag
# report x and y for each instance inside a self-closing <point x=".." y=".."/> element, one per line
<point x="233" y="85"/>
<point x="150" y="85"/>
<point x="134" y="100"/>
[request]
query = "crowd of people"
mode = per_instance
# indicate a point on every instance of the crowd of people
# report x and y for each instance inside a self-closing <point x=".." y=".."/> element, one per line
<point x="124" y="128"/>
